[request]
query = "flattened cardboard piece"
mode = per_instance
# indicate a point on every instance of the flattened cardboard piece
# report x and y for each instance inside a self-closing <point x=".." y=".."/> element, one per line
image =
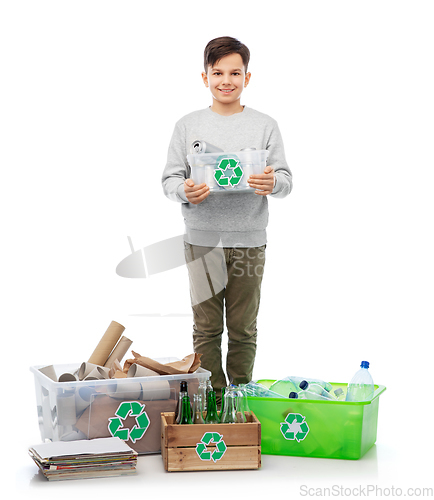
<point x="115" y="368"/>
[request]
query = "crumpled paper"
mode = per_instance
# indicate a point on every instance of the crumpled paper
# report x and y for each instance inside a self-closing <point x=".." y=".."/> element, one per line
<point x="189" y="364"/>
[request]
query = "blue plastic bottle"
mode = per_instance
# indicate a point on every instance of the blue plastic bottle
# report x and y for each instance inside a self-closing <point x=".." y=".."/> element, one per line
<point x="361" y="386"/>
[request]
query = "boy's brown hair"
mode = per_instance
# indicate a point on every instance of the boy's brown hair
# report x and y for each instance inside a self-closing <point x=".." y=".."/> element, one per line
<point x="223" y="46"/>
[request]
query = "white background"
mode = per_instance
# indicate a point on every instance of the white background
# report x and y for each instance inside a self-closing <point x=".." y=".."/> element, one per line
<point x="90" y="93"/>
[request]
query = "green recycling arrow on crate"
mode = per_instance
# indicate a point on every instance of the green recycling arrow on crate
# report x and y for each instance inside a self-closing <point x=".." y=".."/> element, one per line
<point x="294" y="427"/>
<point x="228" y="172"/>
<point x="134" y="409"/>
<point x="208" y="438"/>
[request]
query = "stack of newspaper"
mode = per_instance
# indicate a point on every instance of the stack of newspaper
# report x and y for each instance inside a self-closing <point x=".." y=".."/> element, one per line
<point x="84" y="459"/>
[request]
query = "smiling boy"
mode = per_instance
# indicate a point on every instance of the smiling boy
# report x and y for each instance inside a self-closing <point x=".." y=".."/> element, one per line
<point x="235" y="221"/>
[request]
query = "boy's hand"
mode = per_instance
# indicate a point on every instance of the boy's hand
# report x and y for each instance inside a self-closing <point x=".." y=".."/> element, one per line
<point x="195" y="194"/>
<point x="263" y="183"/>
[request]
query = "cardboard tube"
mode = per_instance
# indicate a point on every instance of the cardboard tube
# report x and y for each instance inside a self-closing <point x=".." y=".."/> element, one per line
<point x="83" y="398"/>
<point x="66" y="412"/>
<point x="136" y="370"/>
<point x="106" y="344"/>
<point x="47" y="421"/>
<point x="85" y="369"/>
<point x="119" y="351"/>
<point x="127" y="390"/>
<point x="104" y="372"/>
<point x="158" y="389"/>
<point x="98" y="373"/>
<point x="49" y="372"/>
<point x="68" y="377"/>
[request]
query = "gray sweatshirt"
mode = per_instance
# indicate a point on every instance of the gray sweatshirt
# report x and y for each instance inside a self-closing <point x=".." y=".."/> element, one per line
<point x="236" y="219"/>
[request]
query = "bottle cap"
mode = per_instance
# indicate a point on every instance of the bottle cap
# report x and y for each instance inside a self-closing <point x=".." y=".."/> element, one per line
<point x="293" y="395"/>
<point x="303" y="385"/>
<point x="365" y="364"/>
<point x="339" y="391"/>
<point x="183" y="386"/>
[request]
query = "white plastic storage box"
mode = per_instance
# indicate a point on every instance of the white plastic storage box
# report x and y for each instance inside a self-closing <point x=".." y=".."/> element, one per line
<point x="129" y="408"/>
<point x="227" y="172"/>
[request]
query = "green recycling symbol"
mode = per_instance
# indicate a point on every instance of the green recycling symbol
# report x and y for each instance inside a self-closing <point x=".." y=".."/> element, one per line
<point x="135" y="409"/>
<point x="228" y="172"/>
<point x="207" y="438"/>
<point x="294" y="427"/>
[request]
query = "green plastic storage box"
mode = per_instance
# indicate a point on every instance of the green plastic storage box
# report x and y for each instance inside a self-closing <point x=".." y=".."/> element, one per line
<point x="311" y="428"/>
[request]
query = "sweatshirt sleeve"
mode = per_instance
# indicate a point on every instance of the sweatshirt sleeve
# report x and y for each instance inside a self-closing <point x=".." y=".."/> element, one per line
<point x="276" y="159"/>
<point x="177" y="169"/>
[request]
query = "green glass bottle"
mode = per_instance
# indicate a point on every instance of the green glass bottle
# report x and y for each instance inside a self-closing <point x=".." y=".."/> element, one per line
<point x="211" y="411"/>
<point x="185" y="411"/>
<point x="183" y="391"/>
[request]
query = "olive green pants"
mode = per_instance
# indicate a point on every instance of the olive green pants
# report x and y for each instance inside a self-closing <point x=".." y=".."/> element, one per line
<point x="225" y="281"/>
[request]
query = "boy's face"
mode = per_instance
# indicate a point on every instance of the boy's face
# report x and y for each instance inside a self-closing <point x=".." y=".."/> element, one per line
<point x="227" y="79"/>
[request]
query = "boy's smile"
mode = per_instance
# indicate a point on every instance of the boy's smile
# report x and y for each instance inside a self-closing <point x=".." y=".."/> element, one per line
<point x="226" y="80"/>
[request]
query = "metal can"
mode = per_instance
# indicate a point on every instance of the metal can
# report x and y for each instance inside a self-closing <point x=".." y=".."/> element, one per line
<point x="200" y="147"/>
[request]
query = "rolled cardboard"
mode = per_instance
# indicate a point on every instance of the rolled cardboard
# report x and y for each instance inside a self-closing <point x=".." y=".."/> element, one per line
<point x="49" y="371"/>
<point x="68" y="377"/>
<point x="98" y="373"/>
<point x="69" y="434"/>
<point x="119" y="351"/>
<point x="158" y="389"/>
<point x="136" y="370"/>
<point x="85" y="369"/>
<point x="83" y="398"/>
<point x="152" y="391"/>
<point x="108" y="341"/>
<point x="126" y="391"/>
<point x="103" y="372"/>
<point x="66" y="411"/>
<point x="47" y="420"/>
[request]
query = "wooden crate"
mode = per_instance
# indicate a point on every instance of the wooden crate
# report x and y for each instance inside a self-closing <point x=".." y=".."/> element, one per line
<point x="189" y="447"/>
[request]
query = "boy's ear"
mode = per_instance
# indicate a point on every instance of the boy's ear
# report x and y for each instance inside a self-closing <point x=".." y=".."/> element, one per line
<point x="247" y="79"/>
<point x="205" y="79"/>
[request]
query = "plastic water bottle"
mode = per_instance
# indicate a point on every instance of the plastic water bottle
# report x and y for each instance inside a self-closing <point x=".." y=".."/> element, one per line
<point x="314" y="391"/>
<point x="339" y="393"/>
<point x="259" y="390"/>
<point x="361" y="386"/>
<point x="291" y="384"/>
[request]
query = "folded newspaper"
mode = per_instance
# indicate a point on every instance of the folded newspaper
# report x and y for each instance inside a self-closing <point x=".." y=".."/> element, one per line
<point x="92" y="458"/>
